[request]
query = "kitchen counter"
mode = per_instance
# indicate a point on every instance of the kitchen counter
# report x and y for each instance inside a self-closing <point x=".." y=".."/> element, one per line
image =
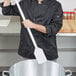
<point x="13" y="29"/>
<point x="66" y="34"/>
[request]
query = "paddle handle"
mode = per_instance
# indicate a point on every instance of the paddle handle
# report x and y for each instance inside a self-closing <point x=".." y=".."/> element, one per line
<point x="28" y="29"/>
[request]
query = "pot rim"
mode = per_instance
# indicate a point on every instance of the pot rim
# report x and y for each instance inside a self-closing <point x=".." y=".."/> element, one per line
<point x="34" y="61"/>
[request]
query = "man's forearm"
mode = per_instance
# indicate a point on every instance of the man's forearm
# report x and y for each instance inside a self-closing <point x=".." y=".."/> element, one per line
<point x="6" y="3"/>
<point x="29" y="24"/>
<point x="40" y="28"/>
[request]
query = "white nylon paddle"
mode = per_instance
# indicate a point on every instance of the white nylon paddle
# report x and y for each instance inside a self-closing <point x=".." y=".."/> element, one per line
<point x="38" y="52"/>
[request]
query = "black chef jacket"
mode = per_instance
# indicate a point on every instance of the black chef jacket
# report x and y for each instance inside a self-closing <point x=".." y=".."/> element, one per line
<point x="48" y="14"/>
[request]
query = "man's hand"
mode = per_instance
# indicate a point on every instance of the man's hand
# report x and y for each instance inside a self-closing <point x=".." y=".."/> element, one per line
<point x="28" y="24"/>
<point x="6" y="3"/>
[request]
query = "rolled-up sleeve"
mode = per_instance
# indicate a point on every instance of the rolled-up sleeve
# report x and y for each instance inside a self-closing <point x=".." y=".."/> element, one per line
<point x="56" y="22"/>
<point x="10" y="10"/>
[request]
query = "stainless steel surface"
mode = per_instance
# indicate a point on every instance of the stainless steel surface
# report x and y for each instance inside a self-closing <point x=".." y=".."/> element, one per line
<point x="4" y="20"/>
<point x="7" y="68"/>
<point x="32" y="68"/>
<point x="13" y="29"/>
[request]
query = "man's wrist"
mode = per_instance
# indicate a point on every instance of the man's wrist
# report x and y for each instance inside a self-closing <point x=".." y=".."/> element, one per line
<point x="34" y="26"/>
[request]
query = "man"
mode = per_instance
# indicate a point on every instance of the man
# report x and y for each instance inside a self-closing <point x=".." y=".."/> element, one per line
<point x="44" y="18"/>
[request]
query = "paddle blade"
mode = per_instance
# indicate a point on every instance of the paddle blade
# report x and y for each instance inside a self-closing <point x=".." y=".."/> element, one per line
<point x="40" y="56"/>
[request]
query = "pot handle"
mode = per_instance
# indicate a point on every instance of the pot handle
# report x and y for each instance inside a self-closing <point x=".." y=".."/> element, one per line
<point x="68" y="71"/>
<point x="3" y="73"/>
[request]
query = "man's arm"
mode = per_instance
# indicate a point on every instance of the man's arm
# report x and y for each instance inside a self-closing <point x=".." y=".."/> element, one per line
<point x="8" y="9"/>
<point x="40" y="28"/>
<point x="27" y="23"/>
<point x="56" y="23"/>
<point x="50" y="29"/>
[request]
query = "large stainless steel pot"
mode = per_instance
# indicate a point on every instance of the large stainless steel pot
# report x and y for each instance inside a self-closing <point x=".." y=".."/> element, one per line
<point x="32" y="68"/>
